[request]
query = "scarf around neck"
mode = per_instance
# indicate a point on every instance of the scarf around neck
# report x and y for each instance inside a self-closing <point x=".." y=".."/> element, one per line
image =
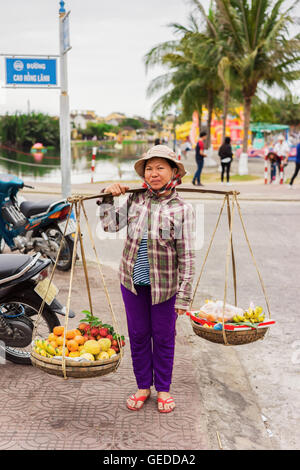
<point x="172" y="183"/>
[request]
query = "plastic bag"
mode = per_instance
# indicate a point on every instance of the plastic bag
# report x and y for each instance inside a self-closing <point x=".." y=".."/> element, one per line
<point x="213" y="311"/>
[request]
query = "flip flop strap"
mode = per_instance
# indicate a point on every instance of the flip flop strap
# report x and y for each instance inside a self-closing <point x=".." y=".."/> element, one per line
<point x="168" y="400"/>
<point x="136" y="399"/>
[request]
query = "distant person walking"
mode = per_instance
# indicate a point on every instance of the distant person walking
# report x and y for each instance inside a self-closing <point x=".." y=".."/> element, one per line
<point x="157" y="141"/>
<point x="225" y="154"/>
<point x="199" y="155"/>
<point x="186" y="146"/>
<point x="297" y="168"/>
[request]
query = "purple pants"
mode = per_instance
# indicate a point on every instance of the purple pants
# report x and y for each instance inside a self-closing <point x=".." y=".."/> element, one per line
<point x="152" y="333"/>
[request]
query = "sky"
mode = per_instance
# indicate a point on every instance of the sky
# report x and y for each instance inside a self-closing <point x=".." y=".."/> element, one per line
<point x="109" y="39"/>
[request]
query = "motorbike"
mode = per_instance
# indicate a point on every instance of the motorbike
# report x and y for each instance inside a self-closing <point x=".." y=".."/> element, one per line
<point x="35" y="226"/>
<point x="21" y="278"/>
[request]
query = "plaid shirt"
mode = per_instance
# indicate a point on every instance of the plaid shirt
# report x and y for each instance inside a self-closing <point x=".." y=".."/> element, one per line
<point x="171" y="251"/>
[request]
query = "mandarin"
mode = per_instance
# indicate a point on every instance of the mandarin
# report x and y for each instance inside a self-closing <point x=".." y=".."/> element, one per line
<point x="70" y="334"/>
<point x="79" y="339"/>
<point x="52" y="337"/>
<point x="72" y="345"/>
<point x="60" y="340"/>
<point x="58" y="330"/>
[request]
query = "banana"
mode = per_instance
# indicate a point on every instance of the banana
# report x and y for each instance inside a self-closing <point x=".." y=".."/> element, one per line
<point x="50" y="350"/>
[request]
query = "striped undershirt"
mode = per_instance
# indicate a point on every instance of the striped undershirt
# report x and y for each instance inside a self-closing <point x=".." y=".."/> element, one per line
<point x="141" y="270"/>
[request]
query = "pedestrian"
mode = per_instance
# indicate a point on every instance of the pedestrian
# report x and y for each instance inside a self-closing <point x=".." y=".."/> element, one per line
<point x="186" y="146"/>
<point x="297" y="167"/>
<point x="282" y="149"/>
<point x="156" y="270"/>
<point x="275" y="161"/>
<point x="157" y="141"/>
<point x="199" y="155"/>
<point x="225" y="154"/>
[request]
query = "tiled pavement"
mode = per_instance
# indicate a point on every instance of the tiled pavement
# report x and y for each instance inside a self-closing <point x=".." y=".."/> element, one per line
<point x="44" y="412"/>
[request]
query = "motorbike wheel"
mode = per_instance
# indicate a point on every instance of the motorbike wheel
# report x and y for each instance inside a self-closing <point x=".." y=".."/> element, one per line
<point x="31" y="302"/>
<point x="65" y="260"/>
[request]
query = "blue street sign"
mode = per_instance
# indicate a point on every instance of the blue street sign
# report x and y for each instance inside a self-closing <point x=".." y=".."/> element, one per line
<point x="30" y="71"/>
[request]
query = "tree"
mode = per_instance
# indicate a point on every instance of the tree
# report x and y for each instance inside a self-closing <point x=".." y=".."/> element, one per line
<point x="24" y="130"/>
<point x="192" y="78"/>
<point x="131" y="122"/>
<point x="261" y="49"/>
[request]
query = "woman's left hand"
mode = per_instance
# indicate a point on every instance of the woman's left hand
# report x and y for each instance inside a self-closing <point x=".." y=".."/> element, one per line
<point x="179" y="311"/>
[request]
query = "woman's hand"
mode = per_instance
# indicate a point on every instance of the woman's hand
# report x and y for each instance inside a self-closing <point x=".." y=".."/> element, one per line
<point x="116" y="189"/>
<point x="179" y="311"/>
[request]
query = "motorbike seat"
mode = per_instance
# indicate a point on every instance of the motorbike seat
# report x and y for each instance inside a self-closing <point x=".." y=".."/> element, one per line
<point x="29" y="208"/>
<point x="12" y="264"/>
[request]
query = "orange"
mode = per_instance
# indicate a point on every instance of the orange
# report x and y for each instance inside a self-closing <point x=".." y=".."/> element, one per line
<point x="70" y="334"/>
<point x="60" y="340"/>
<point x="52" y="337"/>
<point x="72" y="345"/>
<point x="74" y="354"/>
<point x="53" y="343"/>
<point x="79" y="339"/>
<point x="78" y="332"/>
<point x="58" y="330"/>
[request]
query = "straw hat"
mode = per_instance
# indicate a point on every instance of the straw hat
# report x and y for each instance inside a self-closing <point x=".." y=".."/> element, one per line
<point x="162" y="151"/>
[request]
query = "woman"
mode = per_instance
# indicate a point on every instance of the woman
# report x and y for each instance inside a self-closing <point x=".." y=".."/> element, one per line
<point x="156" y="270"/>
<point x="225" y="153"/>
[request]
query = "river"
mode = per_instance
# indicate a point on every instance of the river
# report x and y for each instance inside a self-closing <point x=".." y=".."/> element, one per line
<point x="111" y="163"/>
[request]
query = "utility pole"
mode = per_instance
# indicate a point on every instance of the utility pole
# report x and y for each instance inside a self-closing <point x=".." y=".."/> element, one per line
<point x="64" y="120"/>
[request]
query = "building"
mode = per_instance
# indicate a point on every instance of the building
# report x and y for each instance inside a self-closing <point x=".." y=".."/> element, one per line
<point x="79" y="119"/>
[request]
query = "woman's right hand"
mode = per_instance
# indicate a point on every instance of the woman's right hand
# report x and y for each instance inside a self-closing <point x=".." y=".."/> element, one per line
<point x="116" y="189"/>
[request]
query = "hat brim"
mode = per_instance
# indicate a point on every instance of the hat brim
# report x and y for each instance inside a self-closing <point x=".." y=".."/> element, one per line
<point x="139" y="165"/>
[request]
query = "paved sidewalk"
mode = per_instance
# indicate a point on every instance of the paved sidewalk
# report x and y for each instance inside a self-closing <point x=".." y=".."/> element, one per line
<point x="47" y="412"/>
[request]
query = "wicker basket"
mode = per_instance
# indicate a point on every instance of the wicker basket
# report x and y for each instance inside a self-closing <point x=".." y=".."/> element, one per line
<point x="232" y="337"/>
<point x="75" y="369"/>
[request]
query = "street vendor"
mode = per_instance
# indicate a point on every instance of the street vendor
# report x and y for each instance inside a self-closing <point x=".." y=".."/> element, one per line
<point x="156" y="270"/>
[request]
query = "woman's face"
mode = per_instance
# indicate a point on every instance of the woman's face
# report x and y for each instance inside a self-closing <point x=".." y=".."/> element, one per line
<point x="158" y="172"/>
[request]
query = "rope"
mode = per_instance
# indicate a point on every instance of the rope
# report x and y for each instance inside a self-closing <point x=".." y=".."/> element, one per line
<point x="77" y="212"/>
<point x="253" y="258"/>
<point x="229" y="247"/>
<point x="208" y="250"/>
<point x="28" y="164"/>
<point x="115" y="323"/>
<point x="232" y="253"/>
<point x="52" y="275"/>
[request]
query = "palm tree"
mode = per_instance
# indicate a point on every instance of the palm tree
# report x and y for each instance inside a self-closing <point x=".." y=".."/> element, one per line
<point x="192" y="79"/>
<point x="261" y="49"/>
